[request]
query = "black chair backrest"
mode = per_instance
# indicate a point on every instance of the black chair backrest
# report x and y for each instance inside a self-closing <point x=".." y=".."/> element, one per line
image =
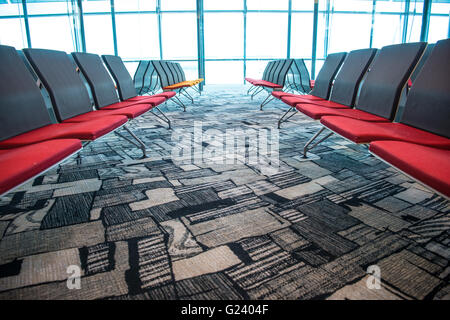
<point x="267" y="76"/>
<point x="293" y="78"/>
<point x="180" y="71"/>
<point x="162" y="73"/>
<point x="428" y="103"/>
<point x="273" y="71"/>
<point x="151" y="80"/>
<point x="386" y="77"/>
<point x="172" y="69"/>
<point x="22" y="107"/>
<point x="279" y="75"/>
<point x="422" y="60"/>
<point x="138" y="78"/>
<point x="172" y="78"/>
<point x="121" y="76"/>
<point x="57" y="72"/>
<point x="347" y="80"/>
<point x="322" y="86"/>
<point x="304" y="75"/>
<point x="266" y="69"/>
<point x="98" y="78"/>
<point x="296" y="73"/>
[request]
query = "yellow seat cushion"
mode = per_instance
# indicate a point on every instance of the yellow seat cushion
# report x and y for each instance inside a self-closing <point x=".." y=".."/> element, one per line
<point x="187" y="83"/>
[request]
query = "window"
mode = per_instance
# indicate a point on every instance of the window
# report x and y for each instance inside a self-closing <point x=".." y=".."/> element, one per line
<point x="267" y="5"/>
<point x="142" y="27"/>
<point x="255" y="69"/>
<point x="223" y="5"/>
<point x="52" y="33"/>
<point x="388" y="27"/>
<point x="12" y="26"/>
<point x="137" y="36"/>
<point x="439" y="27"/>
<point x="178" y="5"/>
<point x="224" y="35"/>
<point x="301" y="35"/>
<point x="55" y="29"/>
<point x="224" y="72"/>
<point x="302" y="5"/>
<point x="134" y="5"/>
<point x="190" y="69"/>
<point x="349" y="32"/>
<point x="98" y="27"/>
<point x="266" y="35"/>
<point x="179" y="35"/>
<point x="414" y="21"/>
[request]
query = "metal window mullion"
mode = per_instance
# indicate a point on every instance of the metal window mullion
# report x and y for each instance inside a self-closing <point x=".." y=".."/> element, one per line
<point x="327" y="29"/>
<point x="425" y="20"/>
<point x="288" y="55"/>
<point x="314" y="43"/>
<point x="200" y="42"/>
<point x="113" y="21"/>
<point x="448" y="35"/>
<point x="25" y="20"/>
<point x="75" y="24"/>
<point x="374" y="6"/>
<point x="81" y="19"/>
<point x="405" y="22"/>
<point x="158" y="12"/>
<point x="245" y="39"/>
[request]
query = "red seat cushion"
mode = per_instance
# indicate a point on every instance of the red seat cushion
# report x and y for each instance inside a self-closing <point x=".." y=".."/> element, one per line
<point x="125" y="104"/>
<point x="20" y="164"/>
<point x="88" y="130"/>
<point x="430" y="166"/>
<point x="279" y="94"/>
<point x="258" y="82"/>
<point x="130" y="112"/>
<point x="364" y="132"/>
<point x="155" y="99"/>
<point x="251" y="80"/>
<point x="264" y="83"/>
<point x="165" y="94"/>
<point x="317" y="112"/>
<point x="178" y="85"/>
<point x="294" y="99"/>
<point x="149" y="99"/>
<point x="327" y="104"/>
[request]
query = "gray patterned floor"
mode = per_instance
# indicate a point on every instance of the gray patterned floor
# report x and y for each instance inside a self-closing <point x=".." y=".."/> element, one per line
<point x="155" y="229"/>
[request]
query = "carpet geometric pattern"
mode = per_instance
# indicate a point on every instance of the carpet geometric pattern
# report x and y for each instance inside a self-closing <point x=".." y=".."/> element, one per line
<point x="156" y="229"/>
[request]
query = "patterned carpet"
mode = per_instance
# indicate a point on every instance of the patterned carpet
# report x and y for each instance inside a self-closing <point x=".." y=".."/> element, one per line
<point x="155" y="229"/>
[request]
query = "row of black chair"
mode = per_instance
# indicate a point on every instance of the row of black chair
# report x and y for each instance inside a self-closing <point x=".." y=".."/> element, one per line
<point x="287" y="75"/>
<point x="298" y="79"/>
<point x="357" y="95"/>
<point x="30" y="142"/>
<point x="151" y="76"/>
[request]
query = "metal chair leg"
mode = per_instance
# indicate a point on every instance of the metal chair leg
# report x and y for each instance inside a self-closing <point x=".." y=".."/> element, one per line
<point x="257" y="91"/>
<point x="179" y="103"/>
<point x="283" y="119"/>
<point x="78" y="159"/>
<point x="187" y="95"/>
<point x="139" y="143"/>
<point x="163" y="117"/>
<point x="196" y="89"/>
<point x="314" y="137"/>
<point x="266" y="101"/>
<point x="252" y="88"/>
